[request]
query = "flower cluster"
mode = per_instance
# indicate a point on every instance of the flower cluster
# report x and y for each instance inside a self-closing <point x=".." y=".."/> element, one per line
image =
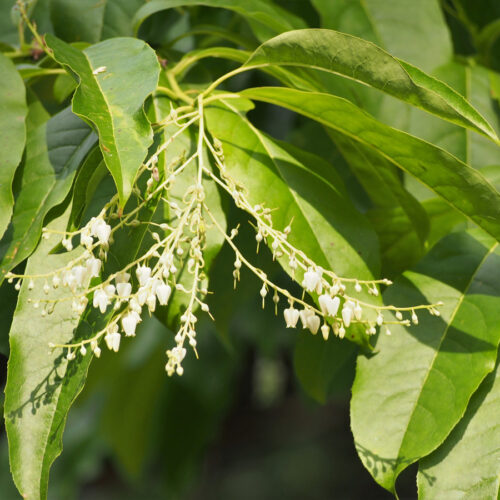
<point x="179" y="243"/>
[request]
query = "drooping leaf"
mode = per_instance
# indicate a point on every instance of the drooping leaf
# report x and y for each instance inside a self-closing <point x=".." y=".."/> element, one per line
<point x="297" y="185"/>
<point x="467" y="464"/>
<point x="424" y="42"/>
<point x="461" y="186"/>
<point x="408" y="397"/>
<point x="359" y="60"/>
<point x="54" y="151"/>
<point x="86" y="20"/>
<point x="41" y="385"/>
<point x="261" y="11"/>
<point x="115" y="77"/>
<point x="13" y="111"/>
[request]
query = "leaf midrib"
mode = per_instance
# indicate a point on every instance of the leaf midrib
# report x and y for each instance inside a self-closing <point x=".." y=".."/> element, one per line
<point x="437" y="349"/>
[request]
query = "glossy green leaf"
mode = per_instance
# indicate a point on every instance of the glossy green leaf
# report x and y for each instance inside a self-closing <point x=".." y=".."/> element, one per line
<point x="36" y="398"/>
<point x="54" y="151"/>
<point x="297" y="185"/>
<point x="424" y="41"/>
<point x="409" y="396"/>
<point x="261" y="11"/>
<point x="359" y="60"/>
<point x="86" y="20"/>
<point x="13" y="111"/>
<point x="115" y="77"/>
<point x="467" y="464"/>
<point x="461" y="186"/>
<point x="473" y="82"/>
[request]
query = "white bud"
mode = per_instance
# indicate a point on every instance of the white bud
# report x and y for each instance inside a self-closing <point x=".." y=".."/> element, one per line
<point x="325" y="331"/>
<point x="399" y="316"/>
<point x="414" y="318"/>
<point x="358" y="312"/>
<point x="357" y="287"/>
<point x="56" y="281"/>
<point x="347" y="313"/>
<point x="341" y="332"/>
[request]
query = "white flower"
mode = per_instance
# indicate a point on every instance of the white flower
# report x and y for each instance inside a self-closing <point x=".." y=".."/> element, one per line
<point x="151" y="302"/>
<point x="312" y="278"/>
<point x="143" y="274"/>
<point x="86" y="239"/>
<point x="163" y="292"/>
<point x="101" y="300"/>
<point x="110" y="290"/>
<point x="142" y="295"/>
<point x="347" y="312"/>
<point x="129" y="323"/>
<point x="80" y="274"/>
<point x="100" y="229"/>
<point x="135" y="306"/>
<point x="291" y="317"/>
<point x="328" y="305"/>
<point x="325" y="331"/>
<point x="313" y="323"/>
<point x="93" y="267"/>
<point x="123" y="289"/>
<point x="304" y="315"/>
<point x="113" y="338"/>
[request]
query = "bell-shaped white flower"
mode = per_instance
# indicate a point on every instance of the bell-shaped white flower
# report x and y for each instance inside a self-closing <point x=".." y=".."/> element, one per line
<point x="163" y="292"/>
<point x="348" y="312"/>
<point x="129" y="323"/>
<point x="100" y="229"/>
<point x="311" y="279"/>
<point x="151" y="302"/>
<point x="123" y="290"/>
<point x="93" y="267"/>
<point x="110" y="290"/>
<point x="143" y="274"/>
<point x="304" y="315"/>
<point x="86" y="239"/>
<point x="113" y="338"/>
<point x="291" y="317"/>
<point x="101" y="300"/>
<point x="80" y="274"/>
<point x="142" y="295"/>
<point x="313" y="323"/>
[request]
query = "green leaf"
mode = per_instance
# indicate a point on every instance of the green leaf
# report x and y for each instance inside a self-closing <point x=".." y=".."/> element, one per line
<point x="261" y="11"/>
<point x="37" y="398"/>
<point x="297" y="185"/>
<point x="424" y="42"/>
<point x="319" y="364"/>
<point x="461" y="186"/>
<point x="474" y="83"/>
<point x="467" y="464"/>
<point x="362" y="61"/>
<point x="86" y="20"/>
<point x="13" y="111"/>
<point x="399" y="219"/>
<point x="54" y="151"/>
<point x="112" y="99"/>
<point x="408" y="397"/>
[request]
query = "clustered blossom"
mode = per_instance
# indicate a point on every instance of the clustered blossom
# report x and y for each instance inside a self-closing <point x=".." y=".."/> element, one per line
<point x="152" y="278"/>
